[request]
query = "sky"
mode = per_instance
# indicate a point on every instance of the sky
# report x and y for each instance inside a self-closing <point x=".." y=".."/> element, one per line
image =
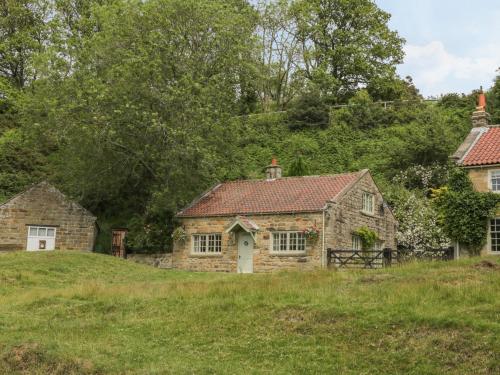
<point x="451" y="45"/>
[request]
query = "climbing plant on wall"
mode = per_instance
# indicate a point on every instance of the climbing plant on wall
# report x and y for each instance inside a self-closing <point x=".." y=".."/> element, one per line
<point x="464" y="213"/>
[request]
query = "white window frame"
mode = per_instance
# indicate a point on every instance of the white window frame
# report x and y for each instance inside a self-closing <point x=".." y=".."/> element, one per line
<point x="495" y="232"/>
<point x="368" y="203"/>
<point x="42" y="231"/>
<point x="210" y="243"/>
<point x="494" y="174"/>
<point x="356" y="243"/>
<point x="294" y="243"/>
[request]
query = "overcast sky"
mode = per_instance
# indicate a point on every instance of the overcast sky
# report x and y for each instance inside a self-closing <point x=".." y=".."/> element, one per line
<point x="451" y="45"/>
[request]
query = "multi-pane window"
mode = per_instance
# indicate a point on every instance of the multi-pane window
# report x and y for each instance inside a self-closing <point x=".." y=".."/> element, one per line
<point x="207" y="243"/>
<point x="495" y="181"/>
<point x="367" y="202"/>
<point x="495" y="234"/>
<point x="356" y="242"/>
<point x="41" y="232"/>
<point x="289" y="241"/>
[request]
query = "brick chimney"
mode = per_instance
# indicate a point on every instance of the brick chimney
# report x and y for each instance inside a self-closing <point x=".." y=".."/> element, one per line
<point x="481" y="118"/>
<point x="273" y="171"/>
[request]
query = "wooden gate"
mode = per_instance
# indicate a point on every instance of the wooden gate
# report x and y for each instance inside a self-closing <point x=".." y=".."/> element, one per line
<point x="118" y="242"/>
<point x="349" y="258"/>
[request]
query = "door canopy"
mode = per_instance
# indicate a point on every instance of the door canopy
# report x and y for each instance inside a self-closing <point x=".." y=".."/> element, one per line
<point x="244" y="223"/>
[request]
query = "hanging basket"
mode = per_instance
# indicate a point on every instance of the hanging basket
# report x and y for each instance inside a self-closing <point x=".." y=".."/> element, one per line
<point x="311" y="234"/>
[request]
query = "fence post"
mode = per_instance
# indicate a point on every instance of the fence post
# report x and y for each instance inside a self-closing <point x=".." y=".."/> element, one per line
<point x="387" y="257"/>
<point x="328" y="257"/>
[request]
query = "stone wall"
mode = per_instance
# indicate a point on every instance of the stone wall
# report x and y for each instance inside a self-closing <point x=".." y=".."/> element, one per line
<point x="160" y="260"/>
<point x="44" y="205"/>
<point x="480" y="178"/>
<point x="346" y="216"/>
<point x="263" y="259"/>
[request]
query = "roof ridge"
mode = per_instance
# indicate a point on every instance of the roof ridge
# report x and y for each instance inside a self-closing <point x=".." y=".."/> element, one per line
<point x="293" y="177"/>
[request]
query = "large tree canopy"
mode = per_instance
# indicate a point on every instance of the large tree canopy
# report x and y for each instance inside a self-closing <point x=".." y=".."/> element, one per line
<point x="346" y="44"/>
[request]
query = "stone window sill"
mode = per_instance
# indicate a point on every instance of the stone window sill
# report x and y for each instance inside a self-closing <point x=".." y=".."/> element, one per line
<point x="219" y="255"/>
<point x="288" y="254"/>
<point x="368" y="214"/>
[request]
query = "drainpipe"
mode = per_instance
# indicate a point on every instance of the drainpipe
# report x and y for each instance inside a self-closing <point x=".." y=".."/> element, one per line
<point x="323" y="255"/>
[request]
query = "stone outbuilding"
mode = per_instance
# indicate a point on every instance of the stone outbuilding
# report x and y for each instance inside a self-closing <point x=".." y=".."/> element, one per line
<point x="280" y="223"/>
<point x="479" y="155"/>
<point x="43" y="218"/>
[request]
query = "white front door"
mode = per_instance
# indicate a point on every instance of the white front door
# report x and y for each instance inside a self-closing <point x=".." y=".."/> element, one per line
<point x="245" y="253"/>
<point x="41" y="238"/>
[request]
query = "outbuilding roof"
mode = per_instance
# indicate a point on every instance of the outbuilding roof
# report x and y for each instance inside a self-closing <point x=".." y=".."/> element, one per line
<point x="281" y="195"/>
<point x="481" y="147"/>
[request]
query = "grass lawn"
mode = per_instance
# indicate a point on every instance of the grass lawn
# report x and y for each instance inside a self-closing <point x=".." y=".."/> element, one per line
<point x="87" y="313"/>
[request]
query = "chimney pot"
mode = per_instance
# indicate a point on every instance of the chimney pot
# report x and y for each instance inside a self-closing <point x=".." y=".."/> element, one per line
<point x="481" y="102"/>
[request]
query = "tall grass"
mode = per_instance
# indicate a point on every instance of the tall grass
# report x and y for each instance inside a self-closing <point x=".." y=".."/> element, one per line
<point x="89" y="313"/>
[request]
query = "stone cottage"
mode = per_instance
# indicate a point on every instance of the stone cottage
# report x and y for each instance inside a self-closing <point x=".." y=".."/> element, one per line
<point x="280" y="223"/>
<point x="479" y="154"/>
<point x="43" y="218"/>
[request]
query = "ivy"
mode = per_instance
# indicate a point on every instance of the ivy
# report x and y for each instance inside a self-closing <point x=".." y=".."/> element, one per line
<point x="464" y="213"/>
<point x="368" y="237"/>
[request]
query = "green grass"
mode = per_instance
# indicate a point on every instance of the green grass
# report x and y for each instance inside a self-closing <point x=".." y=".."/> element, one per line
<point x="87" y="313"/>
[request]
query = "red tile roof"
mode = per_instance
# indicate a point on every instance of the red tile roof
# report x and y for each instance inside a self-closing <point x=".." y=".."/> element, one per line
<point x="485" y="150"/>
<point x="283" y="195"/>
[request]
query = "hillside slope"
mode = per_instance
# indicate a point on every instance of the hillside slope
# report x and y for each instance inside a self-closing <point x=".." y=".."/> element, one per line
<point x="88" y="313"/>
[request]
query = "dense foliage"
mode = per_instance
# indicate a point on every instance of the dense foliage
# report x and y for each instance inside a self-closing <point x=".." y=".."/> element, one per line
<point x="465" y="212"/>
<point x="135" y="107"/>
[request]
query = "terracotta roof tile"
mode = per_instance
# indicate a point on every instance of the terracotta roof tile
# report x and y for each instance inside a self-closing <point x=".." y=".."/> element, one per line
<point x="486" y="150"/>
<point x="283" y="195"/>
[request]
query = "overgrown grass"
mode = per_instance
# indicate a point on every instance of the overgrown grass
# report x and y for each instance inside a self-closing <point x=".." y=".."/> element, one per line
<point x="88" y="313"/>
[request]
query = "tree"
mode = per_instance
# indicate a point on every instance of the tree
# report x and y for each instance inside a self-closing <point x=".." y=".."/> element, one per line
<point x="346" y="44"/>
<point x="280" y="55"/>
<point x="23" y="34"/>
<point x="298" y="167"/>
<point x="140" y="130"/>
<point x="309" y="110"/>
<point x="494" y="101"/>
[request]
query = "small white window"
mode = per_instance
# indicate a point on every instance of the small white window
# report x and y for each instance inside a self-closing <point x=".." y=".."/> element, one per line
<point x="33" y="231"/>
<point x="207" y="243"/>
<point x="50" y="232"/>
<point x="356" y="242"/>
<point x="495" y="234"/>
<point x="294" y="242"/>
<point x="42" y="232"/>
<point x="495" y="181"/>
<point x="367" y="202"/>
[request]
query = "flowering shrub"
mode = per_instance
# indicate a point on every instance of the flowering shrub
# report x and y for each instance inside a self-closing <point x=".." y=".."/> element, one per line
<point x="422" y="177"/>
<point x="311" y="234"/>
<point x="419" y="226"/>
<point x="179" y="234"/>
